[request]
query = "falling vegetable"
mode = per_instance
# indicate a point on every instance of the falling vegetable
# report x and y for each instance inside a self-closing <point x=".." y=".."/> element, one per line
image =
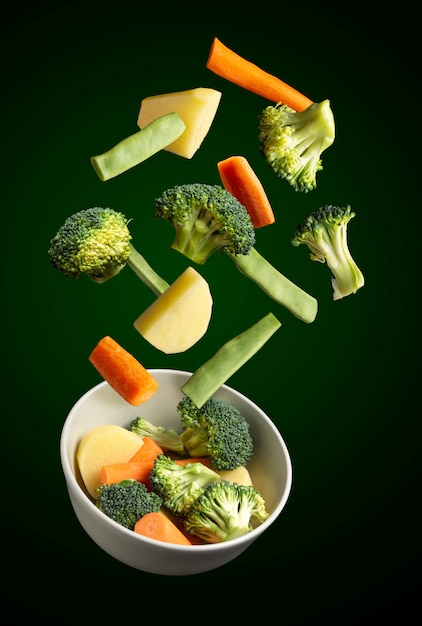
<point x="229" y="65"/>
<point x="138" y="147"/>
<point x="241" y="181"/>
<point x="205" y="381"/>
<point x="125" y="374"/>
<point x="325" y="232"/>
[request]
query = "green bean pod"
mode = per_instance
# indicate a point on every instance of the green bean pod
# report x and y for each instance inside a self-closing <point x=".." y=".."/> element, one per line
<point x="138" y="147"/>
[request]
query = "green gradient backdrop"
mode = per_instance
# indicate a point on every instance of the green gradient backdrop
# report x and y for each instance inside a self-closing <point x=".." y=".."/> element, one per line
<point x="339" y="390"/>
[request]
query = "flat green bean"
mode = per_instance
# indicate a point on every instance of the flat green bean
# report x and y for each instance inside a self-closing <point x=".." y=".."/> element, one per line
<point x="138" y="147"/>
<point x="281" y="289"/>
<point x="209" y="377"/>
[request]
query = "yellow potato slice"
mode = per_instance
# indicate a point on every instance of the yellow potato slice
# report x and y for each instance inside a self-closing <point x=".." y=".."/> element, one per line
<point x="180" y="316"/>
<point x="240" y="475"/>
<point x="197" y="108"/>
<point x="104" y="445"/>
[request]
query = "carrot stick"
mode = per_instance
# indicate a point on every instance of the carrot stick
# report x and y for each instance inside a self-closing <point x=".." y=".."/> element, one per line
<point x="158" y="526"/>
<point x="123" y="372"/>
<point x="138" y="467"/>
<point x="194" y="459"/>
<point x="146" y="456"/>
<point x="231" y="66"/>
<point x="148" y="452"/>
<point x="114" y="473"/>
<point x="240" y="180"/>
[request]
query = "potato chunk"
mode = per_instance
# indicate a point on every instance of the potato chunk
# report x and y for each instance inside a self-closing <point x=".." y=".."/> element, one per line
<point x="104" y="445"/>
<point x="197" y="108"/>
<point x="180" y="316"/>
<point x="239" y="475"/>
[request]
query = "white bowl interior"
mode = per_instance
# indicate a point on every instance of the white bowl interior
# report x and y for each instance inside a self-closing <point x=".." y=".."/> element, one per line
<point x="270" y="469"/>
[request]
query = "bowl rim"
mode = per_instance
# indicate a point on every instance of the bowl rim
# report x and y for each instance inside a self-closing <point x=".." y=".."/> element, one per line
<point x="71" y="478"/>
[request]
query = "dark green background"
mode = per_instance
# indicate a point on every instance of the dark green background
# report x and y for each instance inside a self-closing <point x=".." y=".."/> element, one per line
<point x="340" y="390"/>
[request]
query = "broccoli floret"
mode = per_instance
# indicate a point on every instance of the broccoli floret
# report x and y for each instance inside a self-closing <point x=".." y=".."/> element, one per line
<point x="167" y="438"/>
<point x="217" y="430"/>
<point x="179" y="485"/>
<point x="127" y="501"/>
<point x="325" y="233"/>
<point x="97" y="242"/>
<point x="292" y="142"/>
<point x="225" y="511"/>
<point x="208" y="218"/>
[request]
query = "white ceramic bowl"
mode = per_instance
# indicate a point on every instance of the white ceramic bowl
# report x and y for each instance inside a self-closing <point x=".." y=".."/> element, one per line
<point x="270" y="469"/>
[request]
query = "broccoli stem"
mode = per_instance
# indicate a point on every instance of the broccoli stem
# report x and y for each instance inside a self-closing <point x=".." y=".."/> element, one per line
<point x="301" y="304"/>
<point x="209" y="377"/>
<point x="347" y="277"/>
<point x="145" y="272"/>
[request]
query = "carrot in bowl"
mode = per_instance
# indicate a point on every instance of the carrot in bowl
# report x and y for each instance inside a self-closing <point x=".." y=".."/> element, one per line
<point x="125" y="374"/>
<point x="240" y="180"/>
<point x="157" y="525"/>
<point x="116" y="472"/>
<point x="138" y="467"/>
<point x="205" y="460"/>
<point x="233" y="67"/>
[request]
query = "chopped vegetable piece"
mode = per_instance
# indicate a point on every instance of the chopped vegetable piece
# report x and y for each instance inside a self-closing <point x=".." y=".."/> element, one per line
<point x="104" y="445"/>
<point x="233" y="67"/>
<point x="301" y="304"/>
<point x="127" y="501"/>
<point x="217" y="430"/>
<point x="138" y="147"/>
<point x="209" y="377"/>
<point x="325" y="233"/>
<point x="148" y="452"/>
<point x="138" y="468"/>
<point x="197" y="108"/>
<point x="180" y="316"/>
<point x="292" y="143"/>
<point x="157" y="525"/>
<point x="97" y="242"/>
<point x="117" y="472"/>
<point x="125" y="374"/>
<point x="240" y="180"/>
<point x="194" y="459"/>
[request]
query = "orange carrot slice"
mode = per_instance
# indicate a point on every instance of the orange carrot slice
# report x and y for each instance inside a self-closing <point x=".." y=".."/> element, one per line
<point x="240" y="180"/>
<point x="138" y="467"/>
<point x="194" y="459"/>
<point x="148" y="452"/>
<point x="158" y="526"/>
<point x="125" y="374"/>
<point x="233" y="67"/>
<point x="111" y="474"/>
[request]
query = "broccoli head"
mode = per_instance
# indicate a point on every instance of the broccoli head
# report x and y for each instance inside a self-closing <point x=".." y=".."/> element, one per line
<point x="325" y="233"/>
<point x="167" y="438"/>
<point x="127" y="501"/>
<point x="93" y="241"/>
<point x="206" y="218"/>
<point x="217" y="430"/>
<point x="97" y="242"/>
<point x="179" y="485"/>
<point x="292" y="142"/>
<point x="225" y="511"/>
